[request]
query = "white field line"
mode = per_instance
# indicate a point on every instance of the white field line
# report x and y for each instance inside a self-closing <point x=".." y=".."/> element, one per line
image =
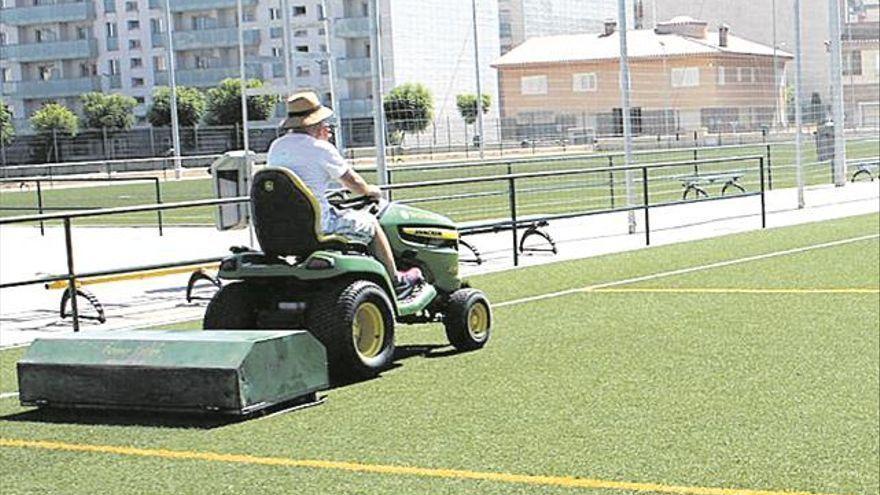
<point x="8" y="395"/>
<point x="682" y="271"/>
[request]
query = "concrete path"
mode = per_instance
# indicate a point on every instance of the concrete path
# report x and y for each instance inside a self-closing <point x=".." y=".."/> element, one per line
<point x="29" y="312"/>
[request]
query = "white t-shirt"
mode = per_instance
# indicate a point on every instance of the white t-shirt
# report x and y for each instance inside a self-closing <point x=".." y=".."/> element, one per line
<point x="318" y="163"/>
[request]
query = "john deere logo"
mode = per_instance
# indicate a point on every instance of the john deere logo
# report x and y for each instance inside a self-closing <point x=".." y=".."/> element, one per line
<point x="269" y="186"/>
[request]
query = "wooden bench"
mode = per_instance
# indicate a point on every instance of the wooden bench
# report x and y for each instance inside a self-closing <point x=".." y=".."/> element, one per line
<point x="867" y="167"/>
<point x="533" y="226"/>
<point x="697" y="183"/>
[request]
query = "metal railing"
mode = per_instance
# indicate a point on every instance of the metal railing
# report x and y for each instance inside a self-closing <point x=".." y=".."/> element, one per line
<point x="513" y="222"/>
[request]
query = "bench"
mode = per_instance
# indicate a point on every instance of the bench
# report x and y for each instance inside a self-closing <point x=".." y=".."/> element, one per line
<point x="867" y="167"/>
<point x="533" y="226"/>
<point x="697" y="183"/>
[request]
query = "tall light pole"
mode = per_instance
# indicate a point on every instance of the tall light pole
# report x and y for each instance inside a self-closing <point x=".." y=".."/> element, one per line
<point x="837" y="93"/>
<point x="331" y="77"/>
<point x="175" y="124"/>
<point x="798" y="111"/>
<point x="243" y="81"/>
<point x="378" y="107"/>
<point x="777" y="116"/>
<point x="624" y="103"/>
<point x="286" y="46"/>
<point x="479" y="89"/>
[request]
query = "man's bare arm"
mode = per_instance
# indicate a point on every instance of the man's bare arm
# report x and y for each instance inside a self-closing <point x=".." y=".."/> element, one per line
<point x="356" y="184"/>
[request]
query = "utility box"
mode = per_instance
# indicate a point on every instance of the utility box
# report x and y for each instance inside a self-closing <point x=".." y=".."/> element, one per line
<point x="825" y="141"/>
<point x="231" y="175"/>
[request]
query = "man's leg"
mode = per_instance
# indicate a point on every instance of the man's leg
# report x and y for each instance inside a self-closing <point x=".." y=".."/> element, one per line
<point x="382" y="250"/>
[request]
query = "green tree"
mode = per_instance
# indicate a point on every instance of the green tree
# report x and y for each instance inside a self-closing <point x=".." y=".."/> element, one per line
<point x="51" y="121"/>
<point x="108" y="111"/>
<point x="408" y="108"/>
<point x="190" y="106"/>
<point x="467" y="106"/>
<point x="7" y="131"/>
<point x="224" y="103"/>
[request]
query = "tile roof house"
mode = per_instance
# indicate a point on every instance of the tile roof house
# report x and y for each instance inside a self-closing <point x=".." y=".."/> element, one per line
<point x="684" y="77"/>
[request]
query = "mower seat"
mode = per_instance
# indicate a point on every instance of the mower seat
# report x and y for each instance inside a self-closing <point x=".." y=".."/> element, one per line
<point x="287" y="217"/>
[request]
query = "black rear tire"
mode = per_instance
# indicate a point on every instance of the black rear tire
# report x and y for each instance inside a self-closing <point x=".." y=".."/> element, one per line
<point x="468" y="319"/>
<point x="233" y="307"/>
<point x="355" y="322"/>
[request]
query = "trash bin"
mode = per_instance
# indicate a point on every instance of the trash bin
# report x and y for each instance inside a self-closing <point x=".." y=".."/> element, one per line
<point x="825" y="141"/>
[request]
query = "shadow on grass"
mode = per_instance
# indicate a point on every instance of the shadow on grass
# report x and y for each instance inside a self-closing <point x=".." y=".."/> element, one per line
<point x="207" y="421"/>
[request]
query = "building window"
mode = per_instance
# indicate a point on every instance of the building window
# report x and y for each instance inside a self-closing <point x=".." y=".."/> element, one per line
<point x="202" y="62"/>
<point x="685" y="77"/>
<point x="82" y="32"/>
<point x="303" y="71"/>
<point x="45" y="36"/>
<point x="320" y="9"/>
<point x="136" y="63"/>
<point x="533" y="85"/>
<point x="137" y="82"/>
<point x="4" y="74"/>
<point x="2" y="39"/>
<point x="852" y="63"/>
<point x="131" y="6"/>
<point x="133" y="24"/>
<point x="134" y="44"/>
<point x="722" y="76"/>
<point x="274" y="13"/>
<point x="302" y="48"/>
<point x="159" y="63"/>
<point x="745" y="74"/>
<point x="276" y="32"/>
<point x="301" y="33"/>
<point x="324" y="66"/>
<point x="113" y="66"/>
<point x="583" y="82"/>
<point x="277" y="52"/>
<point x="299" y="10"/>
<point x="321" y="31"/>
<point x="45" y="72"/>
<point x="156" y="26"/>
<point x="110" y="29"/>
<point x="109" y="6"/>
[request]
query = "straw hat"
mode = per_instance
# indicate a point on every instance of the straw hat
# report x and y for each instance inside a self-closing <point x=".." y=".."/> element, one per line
<point x="304" y="109"/>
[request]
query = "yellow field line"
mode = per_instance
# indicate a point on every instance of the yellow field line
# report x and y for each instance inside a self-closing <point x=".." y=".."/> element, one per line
<point x="523" y="479"/>
<point x="62" y="284"/>
<point x="732" y="290"/>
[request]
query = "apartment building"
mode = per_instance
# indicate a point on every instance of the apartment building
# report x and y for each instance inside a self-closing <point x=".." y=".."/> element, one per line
<point x="861" y="63"/>
<point x="684" y="77"/>
<point x="56" y="50"/>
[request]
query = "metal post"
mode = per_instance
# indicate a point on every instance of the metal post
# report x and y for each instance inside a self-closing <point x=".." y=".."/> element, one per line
<point x="40" y="206"/>
<point x="448" y="136"/>
<point x="71" y="276"/>
<point x="611" y="179"/>
<point x="479" y="89"/>
<point x="158" y="202"/>
<point x="331" y="78"/>
<point x="55" y="145"/>
<point x="777" y="115"/>
<point x="288" y="53"/>
<point x="172" y="80"/>
<point x="152" y="142"/>
<point x="769" y="169"/>
<point x="511" y="192"/>
<point x="837" y="93"/>
<point x="763" y="195"/>
<point x="798" y="111"/>
<point x="624" y="103"/>
<point x="104" y="145"/>
<point x="467" y="145"/>
<point x="243" y="76"/>
<point x="647" y="206"/>
<point x="500" y="139"/>
<point x="378" y="107"/>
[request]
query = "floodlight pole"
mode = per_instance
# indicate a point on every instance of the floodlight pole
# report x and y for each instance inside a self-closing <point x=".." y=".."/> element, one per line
<point x="286" y="46"/>
<point x="777" y="116"/>
<point x="624" y="103"/>
<point x="243" y="81"/>
<point x="479" y="89"/>
<point x="175" y="124"/>
<point x="837" y="94"/>
<point x="378" y="107"/>
<point x="331" y="74"/>
<point x="798" y="111"/>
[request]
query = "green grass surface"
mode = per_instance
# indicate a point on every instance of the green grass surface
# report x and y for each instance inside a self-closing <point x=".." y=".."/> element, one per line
<point x="587" y="192"/>
<point x="752" y="391"/>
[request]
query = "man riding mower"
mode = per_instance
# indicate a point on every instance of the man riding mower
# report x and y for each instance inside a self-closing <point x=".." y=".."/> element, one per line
<point x="329" y="263"/>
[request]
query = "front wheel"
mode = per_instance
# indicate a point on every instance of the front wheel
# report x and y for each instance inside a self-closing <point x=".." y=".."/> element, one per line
<point x="356" y="324"/>
<point x="468" y="319"/>
<point x="233" y="307"/>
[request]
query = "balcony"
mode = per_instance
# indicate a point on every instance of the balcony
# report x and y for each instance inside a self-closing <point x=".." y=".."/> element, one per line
<point x="351" y="68"/>
<point x="53" y="88"/>
<point x="352" y="109"/>
<point x="45" y="14"/>
<point x="201" y="78"/>
<point x="192" y="5"/>
<point x="351" y="27"/>
<point x="58" y="50"/>
<point x="212" y="38"/>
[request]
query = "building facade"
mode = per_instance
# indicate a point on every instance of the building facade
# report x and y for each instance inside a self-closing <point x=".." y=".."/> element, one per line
<point x="861" y="63"/>
<point x="56" y="50"/>
<point x="684" y="77"/>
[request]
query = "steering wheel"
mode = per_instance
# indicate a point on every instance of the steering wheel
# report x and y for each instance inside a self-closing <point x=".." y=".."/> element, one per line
<point x="342" y="199"/>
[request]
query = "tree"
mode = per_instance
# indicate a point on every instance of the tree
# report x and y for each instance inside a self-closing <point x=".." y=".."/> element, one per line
<point x="53" y="119"/>
<point x="224" y="103"/>
<point x="111" y="111"/>
<point x="408" y="108"/>
<point x="467" y="106"/>
<point x="190" y="107"/>
<point x="7" y="131"/>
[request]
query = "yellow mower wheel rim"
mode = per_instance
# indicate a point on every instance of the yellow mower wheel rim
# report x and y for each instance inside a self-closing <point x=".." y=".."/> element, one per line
<point x="368" y="330"/>
<point x="478" y="320"/>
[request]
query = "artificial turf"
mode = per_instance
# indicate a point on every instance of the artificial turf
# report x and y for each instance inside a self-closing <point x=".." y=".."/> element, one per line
<point x="772" y="391"/>
<point x="554" y="195"/>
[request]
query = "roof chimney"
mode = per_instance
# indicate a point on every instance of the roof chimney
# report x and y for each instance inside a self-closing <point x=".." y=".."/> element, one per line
<point x="610" y="26"/>
<point x="723" y="31"/>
